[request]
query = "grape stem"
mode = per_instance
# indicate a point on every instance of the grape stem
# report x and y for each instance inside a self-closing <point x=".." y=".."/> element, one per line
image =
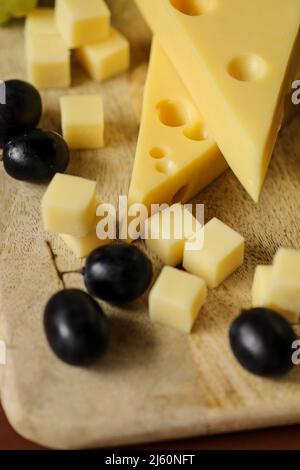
<point x="61" y="274"/>
<point x="54" y="261"/>
<point x="1" y="155"/>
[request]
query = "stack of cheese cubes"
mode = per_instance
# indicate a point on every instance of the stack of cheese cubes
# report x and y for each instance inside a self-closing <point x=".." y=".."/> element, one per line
<point x="173" y="234"/>
<point x="69" y="209"/>
<point x="84" y="26"/>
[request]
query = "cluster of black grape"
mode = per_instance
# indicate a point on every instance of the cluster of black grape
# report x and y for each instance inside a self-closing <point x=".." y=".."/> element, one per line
<point x="29" y="154"/>
<point x="75" y="324"/>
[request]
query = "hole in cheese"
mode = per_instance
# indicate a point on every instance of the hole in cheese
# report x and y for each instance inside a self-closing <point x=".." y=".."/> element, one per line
<point x="157" y="152"/>
<point x="194" y="7"/>
<point x="247" y="68"/>
<point x="173" y="113"/>
<point x="196" y="131"/>
<point x="166" y="167"/>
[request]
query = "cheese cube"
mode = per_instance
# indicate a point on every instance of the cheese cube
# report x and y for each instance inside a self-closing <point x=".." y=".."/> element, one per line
<point x="167" y="231"/>
<point x="40" y="22"/>
<point x="285" y="281"/>
<point x="107" y="58"/>
<point x="69" y="205"/>
<point x="82" y="247"/>
<point x="82" y="22"/>
<point x="221" y="254"/>
<point x="262" y="294"/>
<point x="48" y="61"/>
<point x="83" y="121"/>
<point x="177" y="298"/>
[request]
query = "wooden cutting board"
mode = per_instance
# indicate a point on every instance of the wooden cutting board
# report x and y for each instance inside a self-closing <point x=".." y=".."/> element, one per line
<point x="154" y="383"/>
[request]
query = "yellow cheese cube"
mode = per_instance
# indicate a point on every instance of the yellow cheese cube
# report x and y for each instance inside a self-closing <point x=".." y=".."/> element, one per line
<point x="221" y="254"/>
<point x="69" y="205"/>
<point x="83" y="121"/>
<point x="107" y="58"/>
<point x="176" y="299"/>
<point x="262" y="294"/>
<point x="40" y="22"/>
<point x="48" y="61"/>
<point x="82" y="247"/>
<point x="82" y="22"/>
<point x="167" y="231"/>
<point x="285" y="281"/>
<point x="261" y="287"/>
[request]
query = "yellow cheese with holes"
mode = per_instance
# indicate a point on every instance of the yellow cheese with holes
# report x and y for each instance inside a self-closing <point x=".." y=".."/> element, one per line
<point x="82" y="121"/>
<point x="106" y="59"/>
<point x="285" y="280"/>
<point x="235" y="58"/>
<point x="220" y="255"/>
<point x="176" y="299"/>
<point x="175" y="156"/>
<point x="41" y="21"/>
<point x="167" y="231"/>
<point x="262" y="294"/>
<point x="48" y="61"/>
<point x="82" y="22"/>
<point x="69" y="205"/>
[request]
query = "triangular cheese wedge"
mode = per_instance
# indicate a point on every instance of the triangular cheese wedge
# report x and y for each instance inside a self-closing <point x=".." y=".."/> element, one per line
<point x="175" y="157"/>
<point x="235" y="58"/>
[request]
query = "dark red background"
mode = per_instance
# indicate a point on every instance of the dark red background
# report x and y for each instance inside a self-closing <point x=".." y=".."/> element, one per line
<point x="273" y="439"/>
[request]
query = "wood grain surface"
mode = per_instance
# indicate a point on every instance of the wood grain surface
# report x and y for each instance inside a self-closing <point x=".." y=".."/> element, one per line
<point x="155" y="383"/>
<point x="282" y="438"/>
